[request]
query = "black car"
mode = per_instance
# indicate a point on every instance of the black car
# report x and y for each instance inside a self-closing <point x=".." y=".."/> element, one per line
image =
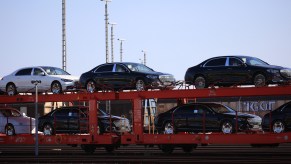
<point x="203" y="117"/>
<point x="236" y="70"/>
<point x="278" y="120"/>
<point x="119" y="76"/>
<point x="75" y="120"/>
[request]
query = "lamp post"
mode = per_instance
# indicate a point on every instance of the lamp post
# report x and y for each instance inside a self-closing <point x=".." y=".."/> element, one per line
<point x="144" y="56"/>
<point x="36" y="82"/>
<point x="112" y="39"/>
<point x="121" y="40"/>
<point x="106" y="29"/>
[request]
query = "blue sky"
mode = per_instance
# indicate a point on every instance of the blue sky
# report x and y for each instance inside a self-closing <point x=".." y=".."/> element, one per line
<point x="175" y="34"/>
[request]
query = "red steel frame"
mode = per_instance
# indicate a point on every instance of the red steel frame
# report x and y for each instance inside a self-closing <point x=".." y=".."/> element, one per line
<point x="137" y="136"/>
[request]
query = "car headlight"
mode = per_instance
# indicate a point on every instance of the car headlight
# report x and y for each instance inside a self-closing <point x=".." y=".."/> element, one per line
<point x="273" y="71"/>
<point x="152" y="76"/>
<point x="286" y="73"/>
<point x="67" y="80"/>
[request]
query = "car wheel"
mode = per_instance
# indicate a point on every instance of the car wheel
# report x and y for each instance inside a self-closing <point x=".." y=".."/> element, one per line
<point x="91" y="86"/>
<point x="226" y="127"/>
<point x="259" y="80"/>
<point x="200" y="82"/>
<point x="168" y="128"/>
<point x="11" y="89"/>
<point x="47" y="129"/>
<point x="56" y="88"/>
<point x="278" y="127"/>
<point x="9" y="130"/>
<point x="140" y="85"/>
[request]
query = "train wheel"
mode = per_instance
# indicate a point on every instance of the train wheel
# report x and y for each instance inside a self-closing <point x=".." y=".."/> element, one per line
<point x="89" y="149"/>
<point x="168" y="149"/>
<point x="188" y="148"/>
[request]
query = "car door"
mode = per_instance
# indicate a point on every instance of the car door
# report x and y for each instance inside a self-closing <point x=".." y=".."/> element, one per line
<point x="39" y="74"/>
<point x="215" y="70"/>
<point x="23" y="80"/>
<point x="180" y="118"/>
<point x="60" y="118"/>
<point x="287" y="113"/>
<point x="239" y="72"/>
<point x="121" y="76"/>
<point x="203" y="118"/>
<point x="103" y="76"/>
<point x="73" y="120"/>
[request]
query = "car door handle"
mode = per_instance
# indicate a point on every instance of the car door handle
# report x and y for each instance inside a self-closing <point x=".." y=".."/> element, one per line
<point x="115" y="74"/>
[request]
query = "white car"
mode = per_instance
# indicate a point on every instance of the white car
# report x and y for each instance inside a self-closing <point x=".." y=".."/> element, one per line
<point x="12" y="122"/>
<point x="51" y="79"/>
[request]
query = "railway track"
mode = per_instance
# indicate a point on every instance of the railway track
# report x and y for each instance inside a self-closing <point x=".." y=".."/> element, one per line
<point x="141" y="154"/>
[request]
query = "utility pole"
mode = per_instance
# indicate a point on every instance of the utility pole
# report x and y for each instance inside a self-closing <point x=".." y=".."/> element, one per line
<point x="121" y="40"/>
<point x="106" y="30"/>
<point x="112" y="39"/>
<point x="144" y="56"/>
<point x="64" y="44"/>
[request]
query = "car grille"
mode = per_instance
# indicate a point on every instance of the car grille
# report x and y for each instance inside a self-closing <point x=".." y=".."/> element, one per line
<point x="167" y="78"/>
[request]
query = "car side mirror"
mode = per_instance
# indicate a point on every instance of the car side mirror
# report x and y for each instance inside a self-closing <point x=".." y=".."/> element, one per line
<point x="42" y="74"/>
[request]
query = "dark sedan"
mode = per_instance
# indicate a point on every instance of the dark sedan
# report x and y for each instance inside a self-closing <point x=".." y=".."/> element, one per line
<point x="75" y="120"/>
<point x="236" y="70"/>
<point x="120" y="76"/>
<point x="278" y="120"/>
<point x="203" y="117"/>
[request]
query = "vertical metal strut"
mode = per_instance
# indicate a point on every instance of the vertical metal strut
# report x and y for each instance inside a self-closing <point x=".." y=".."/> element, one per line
<point x="64" y="48"/>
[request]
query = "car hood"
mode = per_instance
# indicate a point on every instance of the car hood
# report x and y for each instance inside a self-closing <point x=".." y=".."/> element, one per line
<point x="70" y="77"/>
<point x="274" y="67"/>
<point x="244" y="115"/>
<point x="112" y="116"/>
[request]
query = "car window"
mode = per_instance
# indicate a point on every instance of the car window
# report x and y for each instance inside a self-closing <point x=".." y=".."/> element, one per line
<point x="10" y="113"/>
<point x="105" y="68"/>
<point x="24" y="72"/>
<point x="37" y="72"/>
<point x="221" y="109"/>
<point x="187" y="109"/>
<point x="54" y="71"/>
<point x="119" y="68"/>
<point x="138" y="67"/>
<point x="287" y="108"/>
<point x="202" y="109"/>
<point x="216" y="62"/>
<point x="235" y="62"/>
<point x="60" y="112"/>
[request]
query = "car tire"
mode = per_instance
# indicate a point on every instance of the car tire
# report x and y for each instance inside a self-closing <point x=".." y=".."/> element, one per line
<point x="226" y="127"/>
<point x="140" y="85"/>
<point x="11" y="89"/>
<point x="9" y="130"/>
<point x="56" y="87"/>
<point x="200" y="82"/>
<point x="91" y="86"/>
<point x="48" y="129"/>
<point x="168" y="128"/>
<point x="259" y="80"/>
<point x="278" y="126"/>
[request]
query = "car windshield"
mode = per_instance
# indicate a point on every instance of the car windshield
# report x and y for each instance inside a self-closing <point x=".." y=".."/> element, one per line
<point x="221" y="108"/>
<point x="254" y="61"/>
<point x="54" y="71"/>
<point x="10" y="113"/>
<point x="102" y="113"/>
<point x="138" y="67"/>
